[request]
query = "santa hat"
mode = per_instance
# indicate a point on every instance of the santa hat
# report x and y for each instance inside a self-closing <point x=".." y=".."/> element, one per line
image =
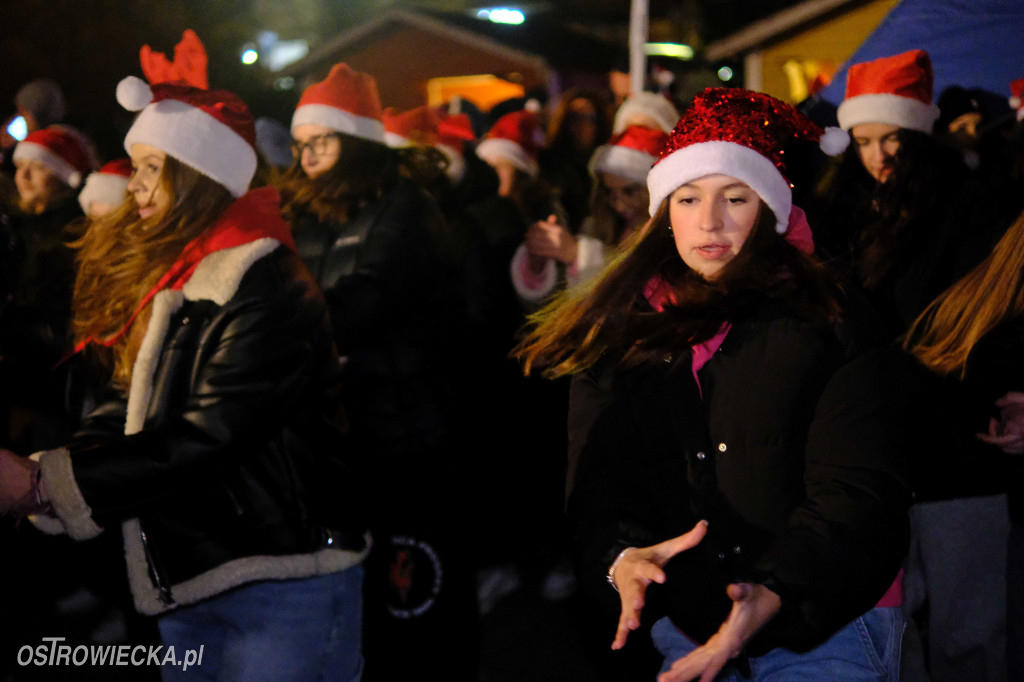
<point x="211" y="131"/>
<point x="741" y="134"/>
<point x="894" y="90"/>
<point x="346" y="101"/>
<point x="648" y="105"/>
<point x="1017" y="97"/>
<point x="61" y="152"/>
<point x="629" y="154"/>
<point x="410" y="128"/>
<point x="107" y="185"/>
<point x="515" y="137"/>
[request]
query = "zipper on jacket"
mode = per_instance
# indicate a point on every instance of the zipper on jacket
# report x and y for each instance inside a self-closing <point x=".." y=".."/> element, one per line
<point x="165" y="592"/>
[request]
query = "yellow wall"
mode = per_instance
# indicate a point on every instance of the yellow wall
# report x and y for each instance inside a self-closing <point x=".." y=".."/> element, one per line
<point x="829" y="44"/>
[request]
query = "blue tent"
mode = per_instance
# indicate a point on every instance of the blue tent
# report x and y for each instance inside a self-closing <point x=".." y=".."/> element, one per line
<point x="972" y="43"/>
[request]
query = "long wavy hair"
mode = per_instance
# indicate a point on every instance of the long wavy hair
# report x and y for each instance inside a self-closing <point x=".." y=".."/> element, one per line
<point x="611" y="315"/>
<point x="364" y="171"/>
<point x="121" y="257"/>
<point x="879" y="222"/>
<point x="944" y="335"/>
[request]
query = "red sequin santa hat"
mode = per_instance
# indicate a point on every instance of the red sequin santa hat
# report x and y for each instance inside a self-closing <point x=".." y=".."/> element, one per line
<point x="894" y="90"/>
<point x="1017" y="97"/>
<point x="630" y="154"/>
<point x="211" y="131"/>
<point x="410" y="128"/>
<point x="346" y="101"/>
<point x="515" y="137"/>
<point x="60" y="151"/>
<point x="108" y="185"/>
<point x="741" y="134"/>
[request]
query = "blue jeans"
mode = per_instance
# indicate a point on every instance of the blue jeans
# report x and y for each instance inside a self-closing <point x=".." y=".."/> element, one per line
<point x="866" y="649"/>
<point x="303" y="630"/>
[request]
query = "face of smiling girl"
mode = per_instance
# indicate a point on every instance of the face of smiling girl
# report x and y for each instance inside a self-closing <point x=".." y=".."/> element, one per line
<point x="711" y="218"/>
<point x="145" y="186"/>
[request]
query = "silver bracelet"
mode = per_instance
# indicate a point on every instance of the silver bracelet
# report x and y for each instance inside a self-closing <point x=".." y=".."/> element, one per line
<point x="615" y="564"/>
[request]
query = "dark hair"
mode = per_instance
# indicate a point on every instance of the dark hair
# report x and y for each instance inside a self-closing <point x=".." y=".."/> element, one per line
<point x="363" y="172"/>
<point x="612" y="314"/>
<point x="908" y="205"/>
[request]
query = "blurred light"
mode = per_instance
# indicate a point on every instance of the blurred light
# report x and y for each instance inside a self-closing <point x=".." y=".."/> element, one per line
<point x="275" y="54"/>
<point x="725" y="73"/>
<point x="18" y="129"/>
<point x="502" y="15"/>
<point x="285" y="83"/>
<point x="250" y="56"/>
<point x="675" y="50"/>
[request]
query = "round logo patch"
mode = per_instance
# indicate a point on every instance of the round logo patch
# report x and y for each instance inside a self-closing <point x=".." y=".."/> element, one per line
<point x="414" y="577"/>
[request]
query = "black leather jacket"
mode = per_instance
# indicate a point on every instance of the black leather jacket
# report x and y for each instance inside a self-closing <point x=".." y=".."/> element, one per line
<point x="237" y="466"/>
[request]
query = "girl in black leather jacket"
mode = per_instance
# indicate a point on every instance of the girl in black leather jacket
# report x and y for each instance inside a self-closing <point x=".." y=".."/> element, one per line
<point x="221" y="451"/>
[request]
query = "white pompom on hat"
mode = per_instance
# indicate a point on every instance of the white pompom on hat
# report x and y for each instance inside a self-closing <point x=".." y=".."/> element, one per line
<point x="894" y="90"/>
<point x="346" y="101"/>
<point x="61" y="152"/>
<point x="741" y="134"/>
<point x="211" y="131"/>
<point x="630" y="154"/>
<point x="648" y="106"/>
<point x="108" y="185"/>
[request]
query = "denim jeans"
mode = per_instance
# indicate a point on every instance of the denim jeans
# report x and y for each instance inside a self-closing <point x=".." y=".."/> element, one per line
<point x="304" y="630"/>
<point x="866" y="649"/>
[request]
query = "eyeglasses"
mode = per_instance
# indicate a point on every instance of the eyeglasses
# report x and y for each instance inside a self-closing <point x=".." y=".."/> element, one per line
<point x="316" y="144"/>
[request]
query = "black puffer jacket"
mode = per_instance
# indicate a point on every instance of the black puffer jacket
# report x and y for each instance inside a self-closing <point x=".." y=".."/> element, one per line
<point x="228" y="462"/>
<point x="793" y="454"/>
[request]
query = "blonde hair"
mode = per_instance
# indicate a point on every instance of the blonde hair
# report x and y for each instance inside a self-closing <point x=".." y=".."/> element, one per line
<point x="942" y="337"/>
<point x="121" y="257"/>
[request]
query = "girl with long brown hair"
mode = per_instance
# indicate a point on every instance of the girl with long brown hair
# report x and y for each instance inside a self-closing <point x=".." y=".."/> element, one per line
<point x="731" y="444"/>
<point x="218" y="447"/>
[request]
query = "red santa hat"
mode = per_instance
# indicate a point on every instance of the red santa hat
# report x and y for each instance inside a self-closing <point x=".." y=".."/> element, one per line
<point x="630" y="154"/>
<point x="211" y="131"/>
<point x="742" y="134"/>
<point x="1017" y="97"/>
<point x="894" y="90"/>
<point x="515" y="137"/>
<point x="346" y="101"/>
<point x="646" y="106"/>
<point x="107" y="185"/>
<point x="60" y="151"/>
<point x="410" y="128"/>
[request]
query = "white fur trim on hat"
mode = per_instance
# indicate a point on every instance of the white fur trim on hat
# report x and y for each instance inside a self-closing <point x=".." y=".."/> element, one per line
<point x="106" y="188"/>
<point x="31" y="151"/>
<point x="895" y="110"/>
<point x="396" y="141"/>
<point x="726" y="158"/>
<point x="624" y="162"/>
<point x="343" y="121"/>
<point x="198" y="140"/>
<point x="494" y="149"/>
<point x="649" y="104"/>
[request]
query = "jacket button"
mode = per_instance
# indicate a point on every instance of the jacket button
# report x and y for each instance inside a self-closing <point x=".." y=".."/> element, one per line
<point x="668" y="358"/>
<point x="737" y="550"/>
<point x="701" y="456"/>
<point x="722" y="447"/>
<point x="184" y="321"/>
<point x="721" y="556"/>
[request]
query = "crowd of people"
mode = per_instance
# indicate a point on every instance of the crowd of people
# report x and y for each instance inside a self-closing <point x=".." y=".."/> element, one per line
<point x="747" y="380"/>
